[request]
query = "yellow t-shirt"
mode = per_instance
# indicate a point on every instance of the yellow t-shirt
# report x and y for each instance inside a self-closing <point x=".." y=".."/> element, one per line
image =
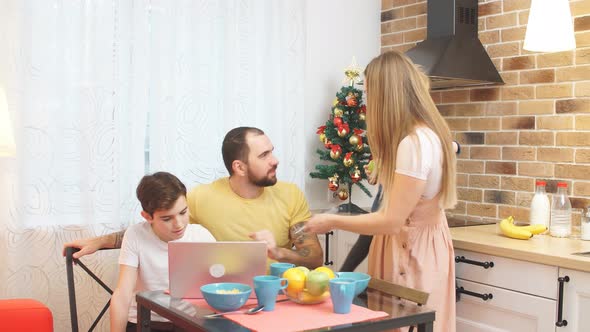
<point x="230" y="217"/>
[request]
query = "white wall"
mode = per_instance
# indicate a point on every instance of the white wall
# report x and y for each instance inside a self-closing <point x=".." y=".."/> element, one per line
<point x="337" y="30"/>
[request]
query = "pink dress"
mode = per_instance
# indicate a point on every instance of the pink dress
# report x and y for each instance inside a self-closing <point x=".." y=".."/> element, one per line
<point x="421" y="256"/>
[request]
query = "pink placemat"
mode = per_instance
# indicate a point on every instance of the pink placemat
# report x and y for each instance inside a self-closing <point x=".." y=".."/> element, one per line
<point x="290" y="316"/>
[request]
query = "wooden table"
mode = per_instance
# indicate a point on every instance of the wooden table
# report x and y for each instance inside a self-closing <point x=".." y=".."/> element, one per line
<point x="190" y="317"/>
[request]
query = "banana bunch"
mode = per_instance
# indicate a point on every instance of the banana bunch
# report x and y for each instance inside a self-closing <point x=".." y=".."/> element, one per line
<point x="509" y="229"/>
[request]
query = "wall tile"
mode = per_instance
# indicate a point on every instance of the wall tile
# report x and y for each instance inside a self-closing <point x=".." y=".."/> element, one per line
<point x="485" y="153"/>
<point x="518" y="63"/>
<point x="471" y="138"/>
<point x="537" y="76"/>
<point x="501" y="138"/>
<point x="536" y="138"/>
<point x="484" y="210"/>
<point x="560" y="122"/>
<point x="520" y="214"/>
<point x="415" y="10"/>
<point x="536" y="169"/>
<point x="554" y="91"/>
<point x="484" y="123"/>
<point x="558" y="59"/>
<point x="513" y="34"/>
<point x="581" y="139"/>
<point x="517" y="183"/>
<point x="518" y="122"/>
<point x="458" y="124"/>
<point x="518" y="93"/>
<point x="484" y="181"/>
<point x="583" y="155"/>
<point x="499" y="197"/>
<point x="489" y="8"/>
<point x="581" y="188"/>
<point x="566" y="171"/>
<point x="500" y="108"/>
<point x="572" y="106"/>
<point x="486" y="94"/>
<point x="583" y="122"/>
<point x="500" y="21"/>
<point x="470" y="166"/>
<point x="455" y="96"/>
<point x="472" y="195"/>
<point x="555" y="154"/>
<point x="530" y="107"/>
<point x="500" y="167"/>
<point x="568" y="74"/>
<point x="518" y="153"/>
<point x="582" y="23"/>
<point x="511" y="5"/>
<point x="582" y="89"/>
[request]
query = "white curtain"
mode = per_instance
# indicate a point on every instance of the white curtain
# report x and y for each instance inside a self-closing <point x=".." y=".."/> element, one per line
<point x="101" y="92"/>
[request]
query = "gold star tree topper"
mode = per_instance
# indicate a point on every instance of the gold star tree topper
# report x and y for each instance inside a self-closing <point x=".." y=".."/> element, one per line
<point x="353" y="73"/>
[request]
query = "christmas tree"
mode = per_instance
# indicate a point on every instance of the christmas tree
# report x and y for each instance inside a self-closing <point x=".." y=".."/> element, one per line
<point x="345" y="142"/>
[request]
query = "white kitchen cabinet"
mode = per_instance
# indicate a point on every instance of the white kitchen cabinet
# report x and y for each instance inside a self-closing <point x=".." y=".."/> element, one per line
<point x="506" y="310"/>
<point x="576" y="301"/>
<point x="340" y="244"/>
<point x="344" y="241"/>
<point x="523" y="294"/>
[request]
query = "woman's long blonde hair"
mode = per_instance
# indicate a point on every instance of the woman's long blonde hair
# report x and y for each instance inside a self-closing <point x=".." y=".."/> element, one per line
<point x="398" y="100"/>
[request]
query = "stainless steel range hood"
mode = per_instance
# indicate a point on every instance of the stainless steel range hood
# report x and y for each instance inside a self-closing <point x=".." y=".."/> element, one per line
<point x="451" y="54"/>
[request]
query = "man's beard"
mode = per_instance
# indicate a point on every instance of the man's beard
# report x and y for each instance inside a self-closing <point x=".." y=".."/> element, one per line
<point x="265" y="181"/>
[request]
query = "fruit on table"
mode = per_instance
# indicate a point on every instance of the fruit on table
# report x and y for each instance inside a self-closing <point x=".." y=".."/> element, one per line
<point x="304" y="269"/>
<point x="326" y="270"/>
<point x="509" y="229"/>
<point x="317" y="282"/>
<point x="535" y="229"/>
<point x="308" y="287"/>
<point x="296" y="278"/>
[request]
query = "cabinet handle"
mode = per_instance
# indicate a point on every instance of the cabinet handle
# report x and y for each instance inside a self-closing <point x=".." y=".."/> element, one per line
<point x="327" y="260"/>
<point x="561" y="322"/>
<point x="461" y="290"/>
<point x="462" y="259"/>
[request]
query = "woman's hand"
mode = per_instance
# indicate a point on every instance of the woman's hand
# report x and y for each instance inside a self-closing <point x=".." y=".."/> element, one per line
<point x="319" y="223"/>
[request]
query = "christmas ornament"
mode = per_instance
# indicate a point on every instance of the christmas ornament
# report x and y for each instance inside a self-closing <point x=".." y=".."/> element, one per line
<point x="353" y="73"/>
<point x="362" y="111"/>
<point x="321" y="131"/>
<point x="328" y="143"/>
<point x="333" y="182"/>
<point x="335" y="102"/>
<point x="343" y="194"/>
<point x="348" y="161"/>
<point x="338" y="112"/>
<point x="359" y="147"/>
<point x="337" y="122"/>
<point x="354" y="140"/>
<point x="343" y="130"/>
<point x="351" y="100"/>
<point x="335" y="152"/>
<point x="355" y="175"/>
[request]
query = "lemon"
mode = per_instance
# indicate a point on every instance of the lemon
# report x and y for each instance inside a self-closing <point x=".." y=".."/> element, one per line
<point x="296" y="278"/>
<point x="326" y="270"/>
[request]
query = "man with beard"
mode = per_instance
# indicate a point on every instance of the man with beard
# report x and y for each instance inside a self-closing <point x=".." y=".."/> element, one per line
<point x="249" y="204"/>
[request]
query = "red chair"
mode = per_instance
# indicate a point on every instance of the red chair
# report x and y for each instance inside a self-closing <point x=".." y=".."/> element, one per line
<point x="25" y="315"/>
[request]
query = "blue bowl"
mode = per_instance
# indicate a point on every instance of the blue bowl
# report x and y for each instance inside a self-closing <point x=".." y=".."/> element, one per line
<point x="219" y="297"/>
<point x="362" y="280"/>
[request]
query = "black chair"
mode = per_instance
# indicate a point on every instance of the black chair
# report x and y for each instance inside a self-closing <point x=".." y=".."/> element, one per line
<point x="72" y="289"/>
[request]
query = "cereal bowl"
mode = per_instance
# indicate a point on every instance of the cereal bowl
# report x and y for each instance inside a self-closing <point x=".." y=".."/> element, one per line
<point x="362" y="280"/>
<point x="226" y="296"/>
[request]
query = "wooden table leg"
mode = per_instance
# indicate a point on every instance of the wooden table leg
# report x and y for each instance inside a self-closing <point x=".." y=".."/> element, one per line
<point x="143" y="318"/>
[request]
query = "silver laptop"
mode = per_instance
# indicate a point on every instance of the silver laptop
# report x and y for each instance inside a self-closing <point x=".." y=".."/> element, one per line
<point x="194" y="264"/>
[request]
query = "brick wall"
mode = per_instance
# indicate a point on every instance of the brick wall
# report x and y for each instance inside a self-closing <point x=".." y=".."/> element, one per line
<point x="537" y="126"/>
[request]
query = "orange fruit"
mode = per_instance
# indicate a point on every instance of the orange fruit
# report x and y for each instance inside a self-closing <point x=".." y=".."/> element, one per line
<point x="296" y="278"/>
<point x="326" y="270"/>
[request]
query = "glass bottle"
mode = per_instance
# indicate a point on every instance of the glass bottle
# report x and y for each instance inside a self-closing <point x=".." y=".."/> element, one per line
<point x="561" y="213"/>
<point x="540" y="206"/>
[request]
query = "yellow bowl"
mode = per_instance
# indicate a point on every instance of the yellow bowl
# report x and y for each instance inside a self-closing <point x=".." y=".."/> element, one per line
<point x="303" y="297"/>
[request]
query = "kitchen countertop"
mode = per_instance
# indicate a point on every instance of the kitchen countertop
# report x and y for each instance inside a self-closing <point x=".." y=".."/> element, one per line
<point x="543" y="249"/>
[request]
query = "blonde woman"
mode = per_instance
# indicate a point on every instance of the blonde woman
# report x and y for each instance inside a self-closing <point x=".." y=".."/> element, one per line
<point x="412" y="146"/>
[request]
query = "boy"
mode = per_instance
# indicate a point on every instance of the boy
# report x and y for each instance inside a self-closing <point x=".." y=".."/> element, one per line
<point x="143" y="261"/>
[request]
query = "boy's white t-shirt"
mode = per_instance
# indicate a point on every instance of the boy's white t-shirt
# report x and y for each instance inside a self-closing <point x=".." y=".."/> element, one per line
<point x="421" y="156"/>
<point x="143" y="249"/>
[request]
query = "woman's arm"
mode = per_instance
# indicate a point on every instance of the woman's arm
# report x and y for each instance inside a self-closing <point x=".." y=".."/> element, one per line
<point x="122" y="296"/>
<point x="403" y="198"/>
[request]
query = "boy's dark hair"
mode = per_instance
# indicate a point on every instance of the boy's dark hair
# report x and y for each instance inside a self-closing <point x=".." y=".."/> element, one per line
<point x="234" y="145"/>
<point x="159" y="191"/>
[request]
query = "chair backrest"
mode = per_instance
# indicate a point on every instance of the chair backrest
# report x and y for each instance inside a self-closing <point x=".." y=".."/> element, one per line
<point x="403" y="292"/>
<point x="70" y="262"/>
